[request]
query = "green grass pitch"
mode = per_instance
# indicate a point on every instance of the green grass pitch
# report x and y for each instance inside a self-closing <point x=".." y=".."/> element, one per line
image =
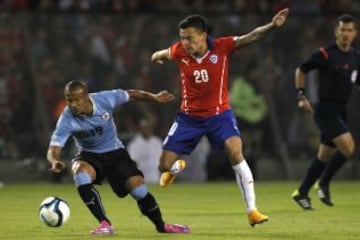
<point x="213" y="211"/>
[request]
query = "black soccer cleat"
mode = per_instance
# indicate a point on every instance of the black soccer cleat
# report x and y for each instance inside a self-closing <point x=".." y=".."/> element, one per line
<point x="302" y="200"/>
<point x="324" y="195"/>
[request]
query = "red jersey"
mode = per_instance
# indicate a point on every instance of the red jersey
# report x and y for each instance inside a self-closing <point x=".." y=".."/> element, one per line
<point x="204" y="80"/>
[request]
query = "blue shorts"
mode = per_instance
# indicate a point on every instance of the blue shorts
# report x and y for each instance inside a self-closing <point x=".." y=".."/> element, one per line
<point x="331" y="120"/>
<point x="186" y="132"/>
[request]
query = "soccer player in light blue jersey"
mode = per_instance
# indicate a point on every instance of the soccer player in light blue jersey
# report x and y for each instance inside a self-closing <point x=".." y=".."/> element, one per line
<point x="88" y="119"/>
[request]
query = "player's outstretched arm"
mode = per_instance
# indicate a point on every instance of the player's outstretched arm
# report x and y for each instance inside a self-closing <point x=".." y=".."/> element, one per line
<point x="160" y="55"/>
<point x="139" y="95"/>
<point x="303" y="102"/>
<point x="53" y="156"/>
<point x="260" y="32"/>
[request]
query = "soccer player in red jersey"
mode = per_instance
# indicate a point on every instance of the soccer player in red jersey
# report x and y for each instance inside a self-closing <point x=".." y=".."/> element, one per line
<point x="205" y="108"/>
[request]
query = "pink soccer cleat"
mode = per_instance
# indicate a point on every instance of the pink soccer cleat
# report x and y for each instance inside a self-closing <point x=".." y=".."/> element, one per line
<point x="176" y="228"/>
<point x="105" y="228"/>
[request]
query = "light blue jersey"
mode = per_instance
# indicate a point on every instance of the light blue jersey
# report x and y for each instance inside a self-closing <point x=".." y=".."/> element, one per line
<point x="96" y="133"/>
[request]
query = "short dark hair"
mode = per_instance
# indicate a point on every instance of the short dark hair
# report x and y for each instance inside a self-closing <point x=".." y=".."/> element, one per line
<point x="345" y="18"/>
<point x="197" y="21"/>
<point x="74" y="86"/>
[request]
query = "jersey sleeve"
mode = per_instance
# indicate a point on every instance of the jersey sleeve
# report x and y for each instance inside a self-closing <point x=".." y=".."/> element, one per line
<point x="316" y="60"/>
<point x="61" y="133"/>
<point x="227" y="44"/>
<point x="175" y="50"/>
<point x="116" y="97"/>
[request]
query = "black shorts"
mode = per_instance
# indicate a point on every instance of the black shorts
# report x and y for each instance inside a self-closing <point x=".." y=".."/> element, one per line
<point x="116" y="166"/>
<point x="331" y="120"/>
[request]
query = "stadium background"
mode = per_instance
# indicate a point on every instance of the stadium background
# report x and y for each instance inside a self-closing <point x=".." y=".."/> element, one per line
<point x="43" y="44"/>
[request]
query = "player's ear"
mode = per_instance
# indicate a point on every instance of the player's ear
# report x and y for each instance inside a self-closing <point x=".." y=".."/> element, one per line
<point x="335" y="31"/>
<point x="204" y="35"/>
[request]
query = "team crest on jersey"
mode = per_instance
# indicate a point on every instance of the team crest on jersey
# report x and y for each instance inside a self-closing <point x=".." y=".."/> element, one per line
<point x="213" y="58"/>
<point x="105" y="116"/>
<point x="354" y="76"/>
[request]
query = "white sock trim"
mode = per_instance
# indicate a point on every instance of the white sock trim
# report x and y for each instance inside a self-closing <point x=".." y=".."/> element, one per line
<point x="175" y="168"/>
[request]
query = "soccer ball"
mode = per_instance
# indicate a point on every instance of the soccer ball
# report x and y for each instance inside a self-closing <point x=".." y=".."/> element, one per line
<point x="54" y="211"/>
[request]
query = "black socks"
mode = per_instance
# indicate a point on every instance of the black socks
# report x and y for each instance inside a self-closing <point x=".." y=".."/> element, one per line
<point x="150" y="208"/>
<point x="313" y="173"/>
<point x="331" y="169"/>
<point x="92" y="199"/>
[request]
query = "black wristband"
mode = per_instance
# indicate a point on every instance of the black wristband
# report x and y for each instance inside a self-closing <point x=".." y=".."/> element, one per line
<point x="300" y="93"/>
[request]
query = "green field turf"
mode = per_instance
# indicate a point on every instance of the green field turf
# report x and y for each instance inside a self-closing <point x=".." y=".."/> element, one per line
<point x="213" y="211"/>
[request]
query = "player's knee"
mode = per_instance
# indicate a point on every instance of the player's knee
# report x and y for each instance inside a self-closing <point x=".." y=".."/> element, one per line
<point x="76" y="167"/>
<point x="322" y="156"/>
<point x="325" y="154"/>
<point x="349" y="151"/>
<point x="83" y="167"/>
<point x="236" y="157"/>
<point x="82" y="174"/>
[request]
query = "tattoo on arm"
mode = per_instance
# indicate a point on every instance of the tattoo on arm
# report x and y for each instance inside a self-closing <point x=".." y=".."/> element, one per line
<point x="254" y="36"/>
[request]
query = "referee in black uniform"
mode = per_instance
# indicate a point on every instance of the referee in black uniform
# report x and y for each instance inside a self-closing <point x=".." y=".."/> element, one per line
<point x="338" y="65"/>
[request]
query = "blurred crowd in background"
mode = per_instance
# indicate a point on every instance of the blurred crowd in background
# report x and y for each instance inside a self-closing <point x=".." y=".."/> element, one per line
<point x="184" y="6"/>
<point x="44" y="44"/>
